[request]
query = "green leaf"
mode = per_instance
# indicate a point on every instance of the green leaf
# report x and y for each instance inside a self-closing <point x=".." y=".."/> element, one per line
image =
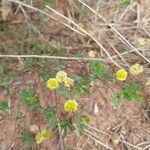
<point x="97" y="68"/>
<point x="51" y="2"/>
<point x="109" y="78"/>
<point x="82" y="85"/>
<point x="116" y="100"/>
<point x="63" y="52"/>
<point x="66" y="125"/>
<point x="133" y="87"/>
<point x="61" y="90"/>
<point x="43" y="63"/>
<point x="6" y="81"/>
<point x="50" y="116"/>
<point x="80" y="122"/>
<point x="28" y="98"/>
<point x="125" y="3"/>
<point x="44" y="75"/>
<point x="128" y="95"/>
<point x="58" y="65"/>
<point x="138" y="97"/>
<point x="28" y="64"/>
<point x="28" y="140"/>
<point x="5" y="78"/>
<point x="130" y="92"/>
<point x="84" y="11"/>
<point x="4" y="106"/>
<point x="81" y="127"/>
<point x="56" y="52"/>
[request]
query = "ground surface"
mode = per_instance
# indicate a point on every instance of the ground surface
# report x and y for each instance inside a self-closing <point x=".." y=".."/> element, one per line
<point x="123" y="127"/>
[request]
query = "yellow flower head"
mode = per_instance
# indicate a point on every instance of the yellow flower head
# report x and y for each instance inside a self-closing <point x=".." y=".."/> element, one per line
<point x="61" y="76"/>
<point x="52" y="83"/>
<point x="121" y="75"/>
<point x="46" y="134"/>
<point x="71" y="106"/>
<point x="39" y="138"/>
<point x="87" y="119"/>
<point x="136" y="69"/>
<point x="69" y="82"/>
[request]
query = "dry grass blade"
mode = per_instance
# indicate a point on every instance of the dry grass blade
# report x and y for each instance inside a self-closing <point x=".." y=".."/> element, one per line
<point x="56" y="57"/>
<point x="44" y="13"/>
<point x="122" y="38"/>
<point x="134" y="146"/>
<point x="141" y="144"/>
<point x="94" y="137"/>
<point x="86" y="33"/>
<point x="83" y="32"/>
<point x="146" y="147"/>
<point x="97" y="130"/>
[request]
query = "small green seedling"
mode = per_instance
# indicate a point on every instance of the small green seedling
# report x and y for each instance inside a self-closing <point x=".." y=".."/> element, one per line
<point x="51" y="2"/>
<point x="99" y="70"/>
<point x="125" y="3"/>
<point x="81" y="121"/>
<point x="28" y="140"/>
<point x="66" y="126"/>
<point x="4" y="106"/>
<point x="21" y="117"/>
<point x="50" y="117"/>
<point x="29" y="99"/>
<point x="82" y="85"/>
<point x="130" y="92"/>
<point x="28" y="64"/>
<point x="5" y="79"/>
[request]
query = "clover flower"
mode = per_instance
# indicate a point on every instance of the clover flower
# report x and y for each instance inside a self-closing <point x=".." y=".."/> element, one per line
<point x="71" y="106"/>
<point x="136" y="69"/>
<point x="61" y="76"/>
<point x="87" y="119"/>
<point x="39" y="138"/>
<point x="68" y="82"/>
<point x="121" y="75"/>
<point x="52" y="83"/>
<point x="46" y="134"/>
<point x="43" y="135"/>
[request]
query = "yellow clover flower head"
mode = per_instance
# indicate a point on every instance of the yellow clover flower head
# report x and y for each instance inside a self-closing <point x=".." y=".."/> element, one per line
<point x="46" y="134"/>
<point x="43" y="135"/>
<point x="71" y="106"/>
<point x="68" y="82"/>
<point x="121" y="75"/>
<point x="136" y="69"/>
<point x="61" y="76"/>
<point x="52" y="83"/>
<point x="87" y="119"/>
<point x="39" y="138"/>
